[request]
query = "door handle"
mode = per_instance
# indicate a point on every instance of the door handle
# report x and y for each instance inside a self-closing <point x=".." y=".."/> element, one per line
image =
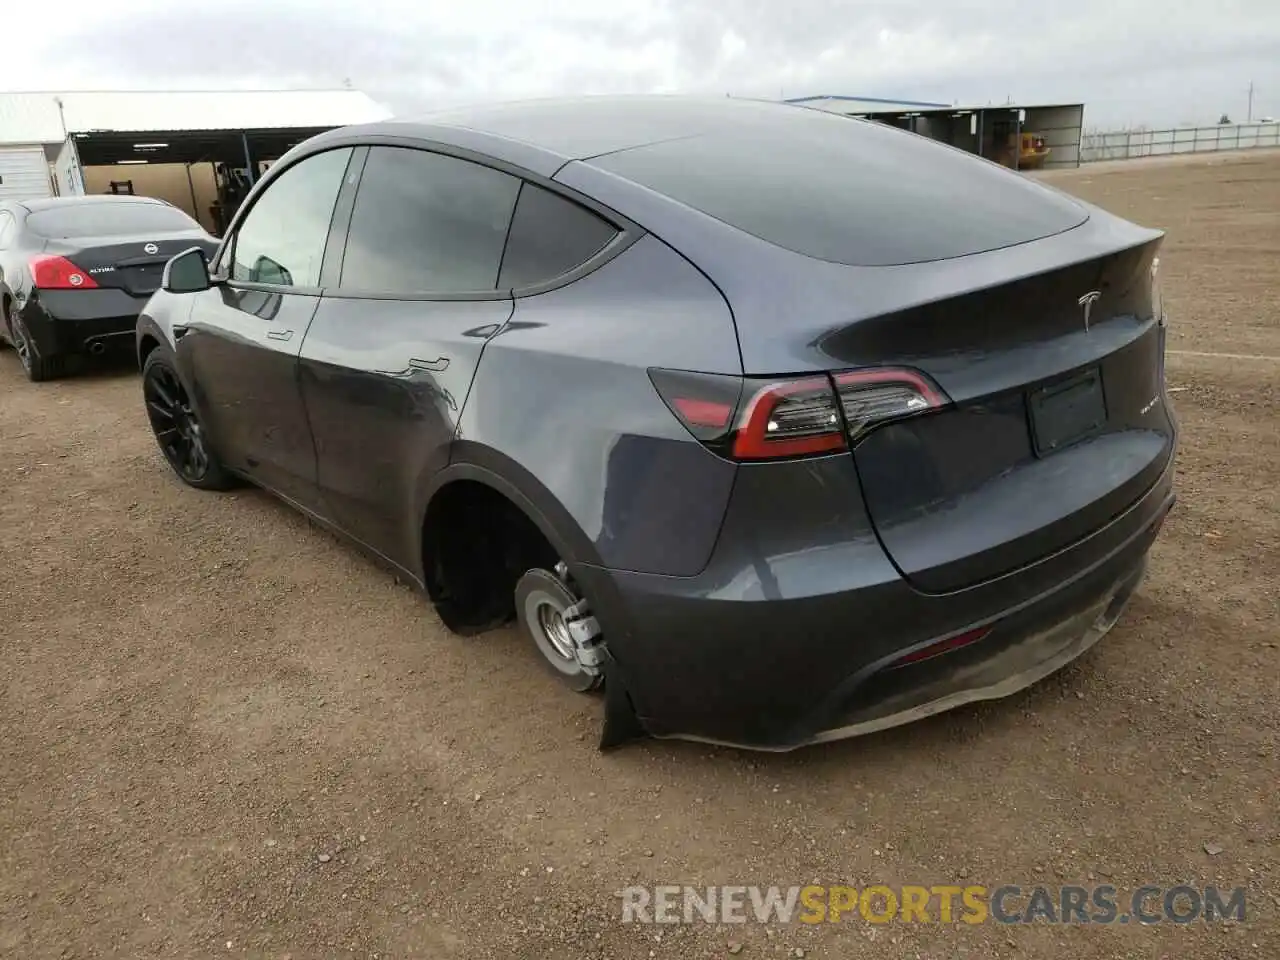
<point x="279" y="334"/>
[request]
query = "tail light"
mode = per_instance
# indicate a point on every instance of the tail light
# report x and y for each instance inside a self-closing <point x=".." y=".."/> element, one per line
<point x="792" y="418"/>
<point x="870" y="397"/>
<point x="755" y="419"/>
<point x="58" y="273"/>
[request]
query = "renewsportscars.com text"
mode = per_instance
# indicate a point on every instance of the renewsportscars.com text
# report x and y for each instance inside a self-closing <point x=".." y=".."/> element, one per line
<point x="943" y="903"/>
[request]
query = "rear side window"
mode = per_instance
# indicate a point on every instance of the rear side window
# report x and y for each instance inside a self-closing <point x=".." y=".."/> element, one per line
<point x="105" y="219"/>
<point x="550" y="236"/>
<point x="848" y="191"/>
<point x="427" y="223"/>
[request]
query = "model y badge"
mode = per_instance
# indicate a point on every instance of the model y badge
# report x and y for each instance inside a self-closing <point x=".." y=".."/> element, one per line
<point x="1087" y="301"/>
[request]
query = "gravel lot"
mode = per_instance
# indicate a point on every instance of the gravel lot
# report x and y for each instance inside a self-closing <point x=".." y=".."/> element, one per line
<point x="223" y="733"/>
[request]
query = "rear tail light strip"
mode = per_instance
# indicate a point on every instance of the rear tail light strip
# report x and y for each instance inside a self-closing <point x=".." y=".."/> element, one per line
<point x="752" y="419"/>
<point x="50" y="272"/>
<point x="794" y="418"/>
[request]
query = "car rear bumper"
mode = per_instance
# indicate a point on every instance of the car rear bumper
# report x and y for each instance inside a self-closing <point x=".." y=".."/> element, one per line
<point x="65" y="322"/>
<point x="997" y="666"/>
<point x="777" y="651"/>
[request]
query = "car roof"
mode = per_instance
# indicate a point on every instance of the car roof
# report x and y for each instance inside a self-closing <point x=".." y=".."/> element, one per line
<point x="48" y="203"/>
<point x="543" y="135"/>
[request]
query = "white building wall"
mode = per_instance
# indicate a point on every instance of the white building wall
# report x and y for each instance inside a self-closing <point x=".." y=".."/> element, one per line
<point x="67" y="172"/>
<point x="24" y="173"/>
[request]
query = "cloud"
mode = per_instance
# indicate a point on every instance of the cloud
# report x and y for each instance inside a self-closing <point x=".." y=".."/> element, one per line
<point x="1140" y="60"/>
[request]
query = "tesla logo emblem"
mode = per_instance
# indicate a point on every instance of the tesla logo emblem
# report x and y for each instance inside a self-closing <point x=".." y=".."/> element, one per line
<point x="1087" y="302"/>
<point x="152" y="248"/>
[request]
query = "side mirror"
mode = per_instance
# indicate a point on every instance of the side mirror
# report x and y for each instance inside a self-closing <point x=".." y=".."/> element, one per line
<point x="266" y="270"/>
<point x="188" y="272"/>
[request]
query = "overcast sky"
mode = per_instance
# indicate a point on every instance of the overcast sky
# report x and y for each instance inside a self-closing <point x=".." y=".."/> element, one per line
<point x="1130" y="61"/>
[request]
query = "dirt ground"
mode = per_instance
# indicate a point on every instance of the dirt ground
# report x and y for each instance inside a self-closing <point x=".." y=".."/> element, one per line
<point x="223" y="733"/>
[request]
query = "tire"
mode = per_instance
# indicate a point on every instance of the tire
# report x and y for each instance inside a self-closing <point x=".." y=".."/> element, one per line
<point x="177" y="428"/>
<point x="541" y="599"/>
<point x="37" y="368"/>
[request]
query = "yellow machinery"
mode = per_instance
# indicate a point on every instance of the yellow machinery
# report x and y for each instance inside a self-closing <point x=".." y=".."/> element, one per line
<point x="1025" y="151"/>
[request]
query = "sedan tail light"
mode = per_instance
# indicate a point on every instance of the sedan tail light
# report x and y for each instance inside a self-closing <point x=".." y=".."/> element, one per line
<point x="51" y="272"/>
<point x="745" y="418"/>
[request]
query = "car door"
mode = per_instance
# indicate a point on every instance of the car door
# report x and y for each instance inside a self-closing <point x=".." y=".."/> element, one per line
<point x="239" y="347"/>
<point x="391" y="353"/>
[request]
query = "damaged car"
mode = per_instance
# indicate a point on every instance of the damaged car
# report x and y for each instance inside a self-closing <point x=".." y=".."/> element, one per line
<point x="780" y="426"/>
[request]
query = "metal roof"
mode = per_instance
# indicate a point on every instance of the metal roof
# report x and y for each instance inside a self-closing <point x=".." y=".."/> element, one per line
<point x="841" y="104"/>
<point x="36" y="117"/>
<point x="862" y="106"/>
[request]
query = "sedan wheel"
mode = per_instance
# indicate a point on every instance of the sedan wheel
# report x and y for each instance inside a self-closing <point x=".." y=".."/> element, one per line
<point x="177" y="427"/>
<point x="36" y="367"/>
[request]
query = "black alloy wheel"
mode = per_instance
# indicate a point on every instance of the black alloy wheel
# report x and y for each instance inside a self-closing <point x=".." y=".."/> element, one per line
<point x="36" y="367"/>
<point x="177" y="427"/>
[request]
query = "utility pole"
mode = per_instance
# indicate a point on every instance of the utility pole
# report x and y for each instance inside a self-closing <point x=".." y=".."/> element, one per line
<point x="1250" y="117"/>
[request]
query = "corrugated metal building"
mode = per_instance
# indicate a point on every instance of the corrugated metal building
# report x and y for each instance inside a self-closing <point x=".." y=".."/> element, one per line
<point x="175" y="145"/>
<point x="989" y="131"/>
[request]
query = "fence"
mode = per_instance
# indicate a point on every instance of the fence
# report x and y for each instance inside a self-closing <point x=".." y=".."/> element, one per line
<point x="1128" y="144"/>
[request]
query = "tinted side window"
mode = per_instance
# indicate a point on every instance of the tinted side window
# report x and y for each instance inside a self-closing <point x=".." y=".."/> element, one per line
<point x="282" y="238"/>
<point x="550" y="235"/>
<point x="427" y="223"/>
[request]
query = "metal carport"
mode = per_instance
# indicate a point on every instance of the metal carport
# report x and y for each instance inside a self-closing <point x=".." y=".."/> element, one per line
<point x="983" y="130"/>
<point x="156" y="139"/>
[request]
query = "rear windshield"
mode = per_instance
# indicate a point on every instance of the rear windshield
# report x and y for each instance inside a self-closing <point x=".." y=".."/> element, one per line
<point x="848" y="191"/>
<point x="109" y="219"/>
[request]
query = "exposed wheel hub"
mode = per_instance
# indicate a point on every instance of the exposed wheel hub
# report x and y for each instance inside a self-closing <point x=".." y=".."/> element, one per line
<point x="561" y="625"/>
<point x="551" y="621"/>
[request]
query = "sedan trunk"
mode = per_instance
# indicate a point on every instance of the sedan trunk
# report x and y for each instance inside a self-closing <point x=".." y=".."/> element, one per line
<point x="126" y="263"/>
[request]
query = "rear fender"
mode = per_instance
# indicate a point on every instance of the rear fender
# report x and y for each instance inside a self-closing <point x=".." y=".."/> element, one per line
<point x="482" y="464"/>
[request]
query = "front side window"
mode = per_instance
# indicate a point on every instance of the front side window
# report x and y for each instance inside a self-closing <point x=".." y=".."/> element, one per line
<point x="427" y="223"/>
<point x="281" y="240"/>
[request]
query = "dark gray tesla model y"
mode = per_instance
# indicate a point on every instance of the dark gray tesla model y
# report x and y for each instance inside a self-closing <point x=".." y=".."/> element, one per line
<point x="782" y="426"/>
